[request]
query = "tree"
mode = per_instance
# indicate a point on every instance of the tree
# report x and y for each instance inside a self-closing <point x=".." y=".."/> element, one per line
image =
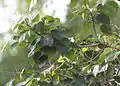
<point x="83" y="51"/>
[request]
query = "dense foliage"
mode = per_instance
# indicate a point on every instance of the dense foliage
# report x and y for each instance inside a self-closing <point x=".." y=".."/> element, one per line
<point x="83" y="51"/>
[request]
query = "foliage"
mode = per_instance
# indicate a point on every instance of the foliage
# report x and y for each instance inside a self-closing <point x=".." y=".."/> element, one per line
<point x="83" y="51"/>
<point x="13" y="60"/>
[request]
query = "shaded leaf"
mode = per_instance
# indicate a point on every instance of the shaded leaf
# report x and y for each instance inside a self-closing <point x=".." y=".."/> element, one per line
<point x="78" y="82"/>
<point x="102" y="18"/>
<point x="65" y="41"/>
<point x="43" y="58"/>
<point x="106" y="29"/>
<point x="37" y="56"/>
<point x="62" y="48"/>
<point x="50" y="52"/>
<point x="46" y="41"/>
<point x="57" y="34"/>
<point x="38" y="27"/>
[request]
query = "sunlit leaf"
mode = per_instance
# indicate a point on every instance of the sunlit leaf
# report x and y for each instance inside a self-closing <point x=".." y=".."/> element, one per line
<point x="36" y="18"/>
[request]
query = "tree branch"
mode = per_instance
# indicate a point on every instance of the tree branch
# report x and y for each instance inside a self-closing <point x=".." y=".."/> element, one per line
<point x="97" y="44"/>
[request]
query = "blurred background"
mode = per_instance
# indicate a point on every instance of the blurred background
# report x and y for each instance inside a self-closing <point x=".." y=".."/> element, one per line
<point x="12" y="60"/>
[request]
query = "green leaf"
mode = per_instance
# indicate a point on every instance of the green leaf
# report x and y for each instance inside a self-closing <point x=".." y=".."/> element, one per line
<point x="106" y="29"/>
<point x="101" y="59"/>
<point x="50" y="52"/>
<point x="111" y="56"/>
<point x="75" y="24"/>
<point x="102" y="18"/>
<point x="25" y="82"/>
<point x="38" y="27"/>
<point x="68" y="33"/>
<point x="59" y="34"/>
<point x="73" y="3"/>
<point x="61" y="59"/>
<point x="32" y="82"/>
<point x="24" y="37"/>
<point x="65" y="41"/>
<point x="49" y="19"/>
<point x="29" y="71"/>
<point x="85" y="32"/>
<point x="22" y="44"/>
<point x="62" y="48"/>
<point x="36" y="18"/>
<point x="110" y="8"/>
<point x="71" y="54"/>
<point x="114" y="4"/>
